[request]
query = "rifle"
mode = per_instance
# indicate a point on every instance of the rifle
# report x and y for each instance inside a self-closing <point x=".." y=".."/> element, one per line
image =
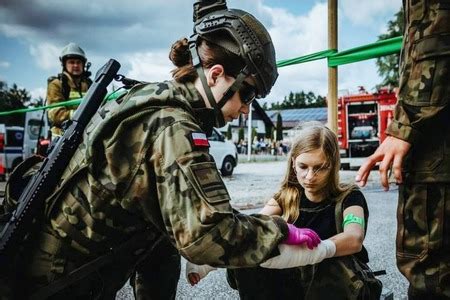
<point x="44" y="182"/>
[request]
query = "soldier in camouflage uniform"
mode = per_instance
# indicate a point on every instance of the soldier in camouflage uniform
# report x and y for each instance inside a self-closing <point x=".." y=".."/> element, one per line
<point x="72" y="83"/>
<point x="144" y="174"/>
<point x="418" y="148"/>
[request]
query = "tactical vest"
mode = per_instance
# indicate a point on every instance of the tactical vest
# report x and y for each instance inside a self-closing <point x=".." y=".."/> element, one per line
<point x="65" y="88"/>
<point x="346" y="276"/>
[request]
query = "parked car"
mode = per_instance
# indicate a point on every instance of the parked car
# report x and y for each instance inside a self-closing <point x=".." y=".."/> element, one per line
<point x="224" y="153"/>
<point x="13" y="146"/>
<point x="363" y="132"/>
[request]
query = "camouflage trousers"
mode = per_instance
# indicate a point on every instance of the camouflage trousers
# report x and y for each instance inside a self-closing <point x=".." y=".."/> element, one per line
<point x="423" y="239"/>
<point x="157" y="276"/>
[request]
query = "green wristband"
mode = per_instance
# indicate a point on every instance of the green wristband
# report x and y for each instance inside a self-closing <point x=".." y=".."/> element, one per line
<point x="351" y="218"/>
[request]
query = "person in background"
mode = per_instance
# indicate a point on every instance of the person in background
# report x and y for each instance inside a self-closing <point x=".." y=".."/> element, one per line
<point x="417" y="150"/>
<point x="72" y="83"/>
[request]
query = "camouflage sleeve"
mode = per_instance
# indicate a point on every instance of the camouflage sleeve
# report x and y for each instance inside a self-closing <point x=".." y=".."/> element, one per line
<point x="54" y="95"/>
<point x="424" y="91"/>
<point x="410" y="121"/>
<point x="196" y="210"/>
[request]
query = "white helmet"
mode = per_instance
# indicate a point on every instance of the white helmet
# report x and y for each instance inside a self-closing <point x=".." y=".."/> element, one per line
<point x="72" y="50"/>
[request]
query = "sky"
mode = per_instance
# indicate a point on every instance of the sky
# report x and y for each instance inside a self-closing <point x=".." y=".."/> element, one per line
<point x="139" y="34"/>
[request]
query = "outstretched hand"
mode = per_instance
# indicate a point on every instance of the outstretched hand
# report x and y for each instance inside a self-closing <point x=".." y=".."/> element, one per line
<point x="299" y="236"/>
<point x="391" y="153"/>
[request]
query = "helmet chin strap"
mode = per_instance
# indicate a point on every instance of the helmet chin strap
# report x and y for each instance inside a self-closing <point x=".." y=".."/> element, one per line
<point x="220" y="121"/>
<point x="237" y="84"/>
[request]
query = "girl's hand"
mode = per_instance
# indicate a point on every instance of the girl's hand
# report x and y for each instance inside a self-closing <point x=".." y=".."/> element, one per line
<point x="195" y="273"/>
<point x="193" y="278"/>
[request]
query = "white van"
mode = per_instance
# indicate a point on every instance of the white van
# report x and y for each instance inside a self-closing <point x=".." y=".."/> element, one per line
<point x="13" y="146"/>
<point x="36" y="130"/>
<point x="224" y="153"/>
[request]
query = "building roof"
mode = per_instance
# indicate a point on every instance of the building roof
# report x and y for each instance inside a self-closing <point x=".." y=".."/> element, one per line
<point x="262" y="114"/>
<point x="258" y="113"/>
<point x="292" y="117"/>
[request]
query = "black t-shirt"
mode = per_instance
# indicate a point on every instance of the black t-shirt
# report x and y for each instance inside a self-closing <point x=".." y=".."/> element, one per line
<point x="320" y="216"/>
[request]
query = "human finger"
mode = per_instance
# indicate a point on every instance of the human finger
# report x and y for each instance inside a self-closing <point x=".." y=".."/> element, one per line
<point x="397" y="168"/>
<point x="194" y="278"/>
<point x="312" y="235"/>
<point x="385" y="165"/>
<point x="309" y="243"/>
<point x="366" y="167"/>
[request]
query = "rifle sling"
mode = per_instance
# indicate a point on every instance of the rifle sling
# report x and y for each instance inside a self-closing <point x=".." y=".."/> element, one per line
<point x="92" y="266"/>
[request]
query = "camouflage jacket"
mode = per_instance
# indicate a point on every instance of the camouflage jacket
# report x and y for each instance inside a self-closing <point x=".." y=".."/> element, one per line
<point x="422" y="115"/>
<point x="76" y="88"/>
<point x="139" y="165"/>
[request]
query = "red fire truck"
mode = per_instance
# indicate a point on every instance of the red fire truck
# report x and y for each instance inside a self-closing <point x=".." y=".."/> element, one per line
<point x="2" y="152"/>
<point x="362" y="122"/>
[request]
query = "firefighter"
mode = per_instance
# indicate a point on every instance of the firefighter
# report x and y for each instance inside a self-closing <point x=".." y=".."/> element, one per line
<point x="71" y="83"/>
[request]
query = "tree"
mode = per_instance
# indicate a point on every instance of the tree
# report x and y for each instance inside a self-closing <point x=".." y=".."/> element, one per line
<point x="12" y="99"/>
<point x="229" y="134"/>
<point x="36" y="102"/>
<point x="269" y="131"/>
<point x="254" y="134"/>
<point x="279" y="128"/>
<point x="241" y="134"/>
<point x="388" y="65"/>
<point x="299" y="100"/>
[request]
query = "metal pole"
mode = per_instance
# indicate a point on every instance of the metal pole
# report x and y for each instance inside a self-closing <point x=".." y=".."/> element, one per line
<point x="249" y="133"/>
<point x="332" y="98"/>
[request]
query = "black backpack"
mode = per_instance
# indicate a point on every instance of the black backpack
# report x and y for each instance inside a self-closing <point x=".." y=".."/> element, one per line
<point x="352" y="277"/>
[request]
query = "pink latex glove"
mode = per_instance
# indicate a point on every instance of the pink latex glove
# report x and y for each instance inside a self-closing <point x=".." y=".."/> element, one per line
<point x="298" y="236"/>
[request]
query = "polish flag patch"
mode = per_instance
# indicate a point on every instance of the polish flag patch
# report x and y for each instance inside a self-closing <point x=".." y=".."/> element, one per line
<point x="199" y="139"/>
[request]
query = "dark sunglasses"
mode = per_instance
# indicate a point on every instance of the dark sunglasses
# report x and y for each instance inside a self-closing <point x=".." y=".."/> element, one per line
<point x="247" y="92"/>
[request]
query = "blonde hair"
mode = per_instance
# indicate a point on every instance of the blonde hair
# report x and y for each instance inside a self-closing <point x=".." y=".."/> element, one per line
<point x="312" y="136"/>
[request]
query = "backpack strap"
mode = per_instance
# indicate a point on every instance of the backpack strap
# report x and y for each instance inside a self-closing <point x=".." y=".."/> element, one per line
<point x="339" y="204"/>
<point x="88" y="81"/>
<point x="51" y="78"/>
<point x="65" y="88"/>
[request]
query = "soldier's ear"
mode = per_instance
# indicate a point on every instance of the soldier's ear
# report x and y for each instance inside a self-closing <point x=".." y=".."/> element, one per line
<point x="214" y="73"/>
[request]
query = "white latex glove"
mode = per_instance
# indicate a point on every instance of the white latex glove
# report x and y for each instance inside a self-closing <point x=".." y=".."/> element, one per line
<point x="299" y="255"/>
<point x="195" y="273"/>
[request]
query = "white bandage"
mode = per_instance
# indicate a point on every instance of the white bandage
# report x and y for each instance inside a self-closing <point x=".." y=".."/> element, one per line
<point x="295" y="256"/>
<point x="202" y="270"/>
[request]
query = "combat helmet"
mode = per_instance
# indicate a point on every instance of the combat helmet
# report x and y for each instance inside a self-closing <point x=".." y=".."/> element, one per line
<point x="72" y="50"/>
<point x="240" y="33"/>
